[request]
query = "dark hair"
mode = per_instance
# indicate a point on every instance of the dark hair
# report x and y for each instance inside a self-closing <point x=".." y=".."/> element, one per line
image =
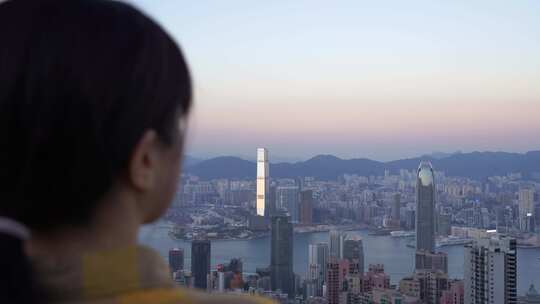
<point x="80" y="82"/>
<point x="17" y="284"/>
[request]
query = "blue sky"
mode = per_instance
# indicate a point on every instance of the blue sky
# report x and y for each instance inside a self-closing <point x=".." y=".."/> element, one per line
<point x="377" y="79"/>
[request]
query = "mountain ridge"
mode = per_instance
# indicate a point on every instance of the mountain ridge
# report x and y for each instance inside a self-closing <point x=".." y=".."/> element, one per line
<point x="476" y="165"/>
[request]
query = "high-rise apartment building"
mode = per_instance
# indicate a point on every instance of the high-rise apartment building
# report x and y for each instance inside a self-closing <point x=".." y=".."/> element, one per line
<point x="375" y="278"/>
<point x="263" y="182"/>
<point x="337" y="238"/>
<point x="281" y="256"/>
<point x="200" y="262"/>
<point x="353" y="251"/>
<point x="444" y="224"/>
<point x="318" y="258"/>
<point x="454" y="294"/>
<point x="410" y="218"/>
<point x="306" y="207"/>
<point x="336" y="273"/>
<point x="431" y="261"/>
<point x="410" y="286"/>
<point x="176" y="259"/>
<point x="288" y="198"/>
<point x="526" y="209"/>
<point x="427" y="286"/>
<point x="425" y="208"/>
<point x="432" y="285"/>
<point x="395" y="211"/>
<point x="332" y="281"/>
<point x="270" y="207"/>
<point x="490" y="271"/>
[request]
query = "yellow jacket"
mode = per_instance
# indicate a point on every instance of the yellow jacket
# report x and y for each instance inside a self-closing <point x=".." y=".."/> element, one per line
<point x="136" y="275"/>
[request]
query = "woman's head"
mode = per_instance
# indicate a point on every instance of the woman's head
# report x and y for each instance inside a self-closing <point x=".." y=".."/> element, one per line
<point x="92" y="97"/>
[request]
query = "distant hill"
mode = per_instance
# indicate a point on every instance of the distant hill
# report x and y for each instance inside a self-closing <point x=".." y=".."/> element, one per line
<point x="440" y="155"/>
<point x="189" y="161"/>
<point x="223" y="167"/>
<point x="476" y="165"/>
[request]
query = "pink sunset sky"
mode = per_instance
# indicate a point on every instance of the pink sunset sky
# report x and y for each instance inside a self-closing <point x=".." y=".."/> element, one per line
<point x="378" y="79"/>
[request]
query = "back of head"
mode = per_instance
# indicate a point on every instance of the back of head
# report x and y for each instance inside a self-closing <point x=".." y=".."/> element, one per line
<point x="80" y="82"/>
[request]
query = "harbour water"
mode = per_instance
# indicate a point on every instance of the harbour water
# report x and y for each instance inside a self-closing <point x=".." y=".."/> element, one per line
<point x="397" y="258"/>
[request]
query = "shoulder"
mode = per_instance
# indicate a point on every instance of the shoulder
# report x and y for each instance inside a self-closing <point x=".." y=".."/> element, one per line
<point x="187" y="296"/>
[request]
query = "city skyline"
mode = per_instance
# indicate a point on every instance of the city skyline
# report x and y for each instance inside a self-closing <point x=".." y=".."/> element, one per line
<point x="444" y="210"/>
<point x="355" y="79"/>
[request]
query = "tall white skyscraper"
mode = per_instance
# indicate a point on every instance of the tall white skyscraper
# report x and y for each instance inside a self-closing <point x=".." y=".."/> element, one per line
<point x="263" y="181"/>
<point x="490" y="271"/>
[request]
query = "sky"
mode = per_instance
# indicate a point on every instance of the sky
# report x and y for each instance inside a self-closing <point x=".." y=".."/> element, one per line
<point x="382" y="79"/>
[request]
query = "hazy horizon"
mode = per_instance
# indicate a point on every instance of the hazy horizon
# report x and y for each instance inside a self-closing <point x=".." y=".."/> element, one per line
<point x="288" y="158"/>
<point x="383" y="80"/>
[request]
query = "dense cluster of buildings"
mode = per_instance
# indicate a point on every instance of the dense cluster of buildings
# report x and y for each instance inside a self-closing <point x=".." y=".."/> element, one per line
<point x="483" y="212"/>
<point x="505" y="203"/>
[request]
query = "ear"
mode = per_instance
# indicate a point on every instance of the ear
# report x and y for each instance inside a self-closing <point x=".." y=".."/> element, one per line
<point x="143" y="165"/>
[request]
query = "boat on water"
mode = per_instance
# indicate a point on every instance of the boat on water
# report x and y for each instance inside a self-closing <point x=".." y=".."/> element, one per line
<point x="379" y="232"/>
<point x="402" y="234"/>
<point x="447" y="241"/>
<point x="527" y="246"/>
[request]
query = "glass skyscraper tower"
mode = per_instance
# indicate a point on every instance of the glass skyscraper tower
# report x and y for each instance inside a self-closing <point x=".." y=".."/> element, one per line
<point x="318" y="258"/>
<point x="281" y="257"/>
<point x="200" y="262"/>
<point x="353" y="251"/>
<point x="425" y="208"/>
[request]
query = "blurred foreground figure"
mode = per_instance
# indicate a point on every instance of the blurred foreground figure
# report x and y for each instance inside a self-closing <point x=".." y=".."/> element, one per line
<point x="94" y="99"/>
